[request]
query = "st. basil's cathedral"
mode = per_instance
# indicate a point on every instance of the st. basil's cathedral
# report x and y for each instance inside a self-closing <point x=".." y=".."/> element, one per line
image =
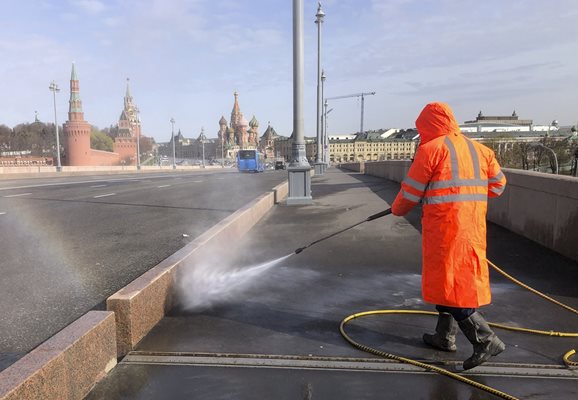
<point x="240" y="134"/>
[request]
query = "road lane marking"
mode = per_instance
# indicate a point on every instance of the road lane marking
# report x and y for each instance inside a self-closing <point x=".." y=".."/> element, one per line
<point x="95" y="186"/>
<point x="198" y="181"/>
<point x="17" y="195"/>
<point x="83" y="182"/>
<point x="2" y="213"/>
<point x="104" y="195"/>
<point x="163" y="186"/>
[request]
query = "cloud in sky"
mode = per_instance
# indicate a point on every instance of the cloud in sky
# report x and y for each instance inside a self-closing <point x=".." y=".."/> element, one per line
<point x="185" y="58"/>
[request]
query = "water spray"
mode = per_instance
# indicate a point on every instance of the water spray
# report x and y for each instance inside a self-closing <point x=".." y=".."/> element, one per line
<point x="370" y="218"/>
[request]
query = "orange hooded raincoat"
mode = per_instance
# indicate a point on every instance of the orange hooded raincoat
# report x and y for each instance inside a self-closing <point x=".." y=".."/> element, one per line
<point x="453" y="177"/>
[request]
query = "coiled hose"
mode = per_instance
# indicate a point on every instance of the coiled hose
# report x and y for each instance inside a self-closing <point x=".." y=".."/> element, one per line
<point x="445" y="372"/>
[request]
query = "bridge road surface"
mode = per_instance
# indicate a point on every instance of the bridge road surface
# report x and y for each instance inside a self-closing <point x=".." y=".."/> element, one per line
<point x="280" y="338"/>
<point x="68" y="243"/>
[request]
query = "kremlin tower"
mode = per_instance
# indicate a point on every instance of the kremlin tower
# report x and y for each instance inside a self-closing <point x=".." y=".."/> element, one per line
<point x="76" y="129"/>
<point x="128" y="131"/>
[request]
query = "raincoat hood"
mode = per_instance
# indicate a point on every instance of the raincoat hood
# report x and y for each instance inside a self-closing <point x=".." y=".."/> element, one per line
<point x="435" y="120"/>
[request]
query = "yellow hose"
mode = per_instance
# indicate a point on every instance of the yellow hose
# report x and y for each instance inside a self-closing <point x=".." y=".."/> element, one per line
<point x="445" y="372"/>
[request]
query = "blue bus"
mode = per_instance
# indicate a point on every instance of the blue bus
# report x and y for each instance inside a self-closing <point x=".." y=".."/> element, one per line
<point x="250" y="160"/>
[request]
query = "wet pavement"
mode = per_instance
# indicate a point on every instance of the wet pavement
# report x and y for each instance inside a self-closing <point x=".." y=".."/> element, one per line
<point x="274" y="333"/>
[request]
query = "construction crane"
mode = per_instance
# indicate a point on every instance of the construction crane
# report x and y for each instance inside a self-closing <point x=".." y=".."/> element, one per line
<point x="362" y="95"/>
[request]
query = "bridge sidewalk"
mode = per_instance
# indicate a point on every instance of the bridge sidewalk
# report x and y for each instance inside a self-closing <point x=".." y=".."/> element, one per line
<point x="274" y="333"/>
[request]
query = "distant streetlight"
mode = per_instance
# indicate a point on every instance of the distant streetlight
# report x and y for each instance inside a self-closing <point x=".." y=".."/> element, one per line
<point x="137" y="138"/>
<point x="223" y="149"/>
<point x="555" y="169"/>
<point x="202" y="136"/>
<point x="54" y="88"/>
<point x="173" y="140"/>
<point x="319" y="159"/>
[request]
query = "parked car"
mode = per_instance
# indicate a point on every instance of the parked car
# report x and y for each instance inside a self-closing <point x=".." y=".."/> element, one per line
<point x="280" y="165"/>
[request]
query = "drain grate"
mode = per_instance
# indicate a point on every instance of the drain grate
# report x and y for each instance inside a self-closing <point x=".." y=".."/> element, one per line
<point x="341" y="363"/>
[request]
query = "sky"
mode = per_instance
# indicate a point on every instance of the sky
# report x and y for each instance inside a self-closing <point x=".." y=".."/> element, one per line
<point x="186" y="58"/>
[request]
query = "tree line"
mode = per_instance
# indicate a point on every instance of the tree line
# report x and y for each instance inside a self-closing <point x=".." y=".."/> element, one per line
<point x="537" y="156"/>
<point x="38" y="139"/>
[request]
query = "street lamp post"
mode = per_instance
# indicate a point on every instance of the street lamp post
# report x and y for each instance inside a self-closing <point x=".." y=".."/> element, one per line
<point x="173" y="140"/>
<point x="555" y="169"/>
<point x="222" y="150"/>
<point x="203" y="145"/>
<point x="319" y="159"/>
<point x="299" y="170"/>
<point x="323" y="133"/>
<point x="54" y="88"/>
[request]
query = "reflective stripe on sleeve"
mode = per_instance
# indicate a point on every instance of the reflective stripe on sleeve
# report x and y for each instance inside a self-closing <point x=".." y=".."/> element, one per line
<point x="454" y="198"/>
<point x="410" y="197"/>
<point x="497" y="190"/>
<point x="497" y="178"/>
<point x="420" y="187"/>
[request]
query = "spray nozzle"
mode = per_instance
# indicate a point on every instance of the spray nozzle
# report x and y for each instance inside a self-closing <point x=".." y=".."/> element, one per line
<point x="299" y="250"/>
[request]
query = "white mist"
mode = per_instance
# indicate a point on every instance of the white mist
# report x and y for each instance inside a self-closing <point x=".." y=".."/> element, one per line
<point x="211" y="282"/>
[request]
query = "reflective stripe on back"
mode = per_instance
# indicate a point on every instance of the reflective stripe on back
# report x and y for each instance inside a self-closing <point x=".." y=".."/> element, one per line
<point x="475" y="160"/>
<point x="453" y="158"/>
<point x="454" y="198"/>
<point x="458" y="183"/>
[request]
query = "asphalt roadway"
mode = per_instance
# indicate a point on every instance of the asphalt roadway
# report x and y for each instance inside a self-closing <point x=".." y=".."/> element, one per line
<point x="273" y="333"/>
<point x="67" y="243"/>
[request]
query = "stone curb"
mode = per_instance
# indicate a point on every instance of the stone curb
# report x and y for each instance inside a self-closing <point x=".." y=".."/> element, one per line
<point x="140" y="305"/>
<point x="66" y="366"/>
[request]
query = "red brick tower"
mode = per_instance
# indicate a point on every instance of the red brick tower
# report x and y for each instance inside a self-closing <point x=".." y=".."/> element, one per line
<point x="76" y="129"/>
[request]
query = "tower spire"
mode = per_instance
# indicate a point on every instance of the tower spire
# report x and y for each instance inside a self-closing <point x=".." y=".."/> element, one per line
<point x="75" y="112"/>
<point x="73" y="76"/>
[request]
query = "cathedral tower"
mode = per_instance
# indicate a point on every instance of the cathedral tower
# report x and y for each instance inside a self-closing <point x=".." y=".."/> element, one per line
<point x="223" y="130"/>
<point x="76" y="129"/>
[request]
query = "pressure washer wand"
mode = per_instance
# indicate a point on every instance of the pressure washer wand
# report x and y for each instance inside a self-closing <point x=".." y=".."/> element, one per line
<point x="370" y="218"/>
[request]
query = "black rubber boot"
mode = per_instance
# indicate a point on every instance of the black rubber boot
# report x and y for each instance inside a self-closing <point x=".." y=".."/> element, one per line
<point x="486" y="343"/>
<point x="445" y="336"/>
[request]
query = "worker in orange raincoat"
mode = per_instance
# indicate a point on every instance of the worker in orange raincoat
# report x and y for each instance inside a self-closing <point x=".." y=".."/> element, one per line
<point x="453" y="176"/>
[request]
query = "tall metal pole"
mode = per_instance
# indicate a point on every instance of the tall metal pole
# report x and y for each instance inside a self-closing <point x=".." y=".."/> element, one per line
<point x="203" y="144"/>
<point x="54" y="88"/>
<point x="173" y="140"/>
<point x="299" y="170"/>
<point x="325" y="122"/>
<point x="319" y="158"/>
<point x="222" y="150"/>
<point x="362" y="103"/>
<point x="322" y="121"/>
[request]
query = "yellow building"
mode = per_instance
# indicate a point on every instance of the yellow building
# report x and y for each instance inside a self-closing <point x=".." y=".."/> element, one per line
<point x="348" y="150"/>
